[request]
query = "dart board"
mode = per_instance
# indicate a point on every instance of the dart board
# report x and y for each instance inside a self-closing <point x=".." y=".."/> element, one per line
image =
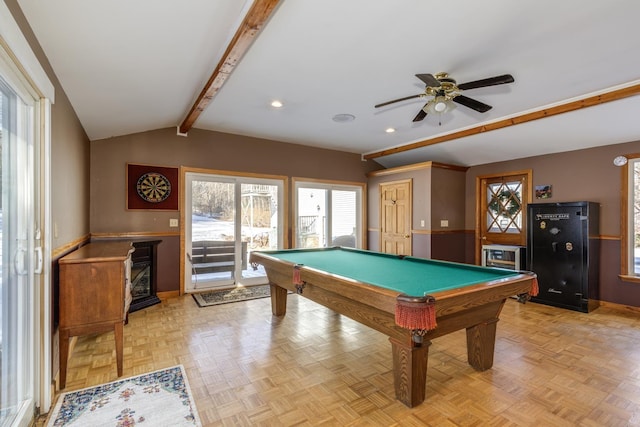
<point x="153" y="187"/>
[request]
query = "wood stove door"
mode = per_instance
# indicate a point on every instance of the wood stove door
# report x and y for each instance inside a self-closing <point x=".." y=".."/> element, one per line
<point x="143" y="275"/>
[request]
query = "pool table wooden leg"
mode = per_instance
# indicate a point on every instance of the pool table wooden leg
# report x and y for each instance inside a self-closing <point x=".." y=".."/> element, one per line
<point x="481" y="341"/>
<point x="278" y="300"/>
<point x="410" y="371"/>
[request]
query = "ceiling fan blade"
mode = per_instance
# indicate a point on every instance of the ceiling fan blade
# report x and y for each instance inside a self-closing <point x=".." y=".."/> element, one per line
<point x="421" y="114"/>
<point x="429" y="80"/>
<point x="472" y="103"/>
<point x="491" y="81"/>
<point x="398" y="100"/>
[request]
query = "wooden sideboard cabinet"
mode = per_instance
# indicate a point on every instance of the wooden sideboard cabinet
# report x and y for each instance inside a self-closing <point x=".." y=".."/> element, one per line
<point x="95" y="295"/>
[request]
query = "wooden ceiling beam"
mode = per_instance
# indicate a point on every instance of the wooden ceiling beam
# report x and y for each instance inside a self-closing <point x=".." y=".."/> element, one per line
<point x="613" y="95"/>
<point x="251" y="25"/>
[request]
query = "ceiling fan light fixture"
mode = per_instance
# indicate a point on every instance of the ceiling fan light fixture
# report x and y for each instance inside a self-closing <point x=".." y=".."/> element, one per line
<point x="439" y="105"/>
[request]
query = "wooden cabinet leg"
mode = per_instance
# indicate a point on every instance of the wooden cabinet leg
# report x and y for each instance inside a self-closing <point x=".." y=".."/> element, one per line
<point x="410" y="371"/>
<point x="278" y="300"/>
<point x="119" y="334"/>
<point x="481" y="341"/>
<point x="64" y="356"/>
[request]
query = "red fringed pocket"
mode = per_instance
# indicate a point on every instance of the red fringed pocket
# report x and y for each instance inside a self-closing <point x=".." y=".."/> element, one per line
<point x="296" y="275"/>
<point x="416" y="312"/>
<point x="534" y="287"/>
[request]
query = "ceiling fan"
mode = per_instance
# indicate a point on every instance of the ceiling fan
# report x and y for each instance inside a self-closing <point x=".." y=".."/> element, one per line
<point x="444" y="90"/>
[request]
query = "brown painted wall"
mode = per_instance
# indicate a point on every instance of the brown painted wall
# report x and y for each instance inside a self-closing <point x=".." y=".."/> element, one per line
<point x="201" y="149"/>
<point x="584" y="175"/>
<point x="447" y="186"/>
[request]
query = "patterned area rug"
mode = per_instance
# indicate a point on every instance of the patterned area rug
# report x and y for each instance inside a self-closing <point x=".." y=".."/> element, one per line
<point x="160" y="398"/>
<point x="239" y="293"/>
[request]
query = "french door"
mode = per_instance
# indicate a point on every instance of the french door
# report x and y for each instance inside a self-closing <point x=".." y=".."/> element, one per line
<point x="18" y="233"/>
<point x="227" y="217"/>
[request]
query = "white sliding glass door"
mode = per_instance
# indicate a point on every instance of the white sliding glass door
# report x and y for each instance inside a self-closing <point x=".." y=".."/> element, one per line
<point x="227" y="217"/>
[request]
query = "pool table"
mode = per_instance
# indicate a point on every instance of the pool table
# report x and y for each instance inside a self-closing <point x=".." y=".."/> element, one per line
<point x="382" y="291"/>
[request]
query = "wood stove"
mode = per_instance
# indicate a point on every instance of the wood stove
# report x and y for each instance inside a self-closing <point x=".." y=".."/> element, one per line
<point x="144" y="274"/>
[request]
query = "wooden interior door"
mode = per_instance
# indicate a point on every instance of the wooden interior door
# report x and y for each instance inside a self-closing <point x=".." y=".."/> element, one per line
<point x="395" y="217"/>
<point x="501" y="209"/>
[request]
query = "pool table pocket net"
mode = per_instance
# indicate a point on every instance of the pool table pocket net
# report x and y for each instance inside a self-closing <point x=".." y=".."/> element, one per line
<point x="416" y="313"/>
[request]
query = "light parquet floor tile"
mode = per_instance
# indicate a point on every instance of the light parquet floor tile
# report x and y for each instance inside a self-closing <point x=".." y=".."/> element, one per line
<point x="313" y="367"/>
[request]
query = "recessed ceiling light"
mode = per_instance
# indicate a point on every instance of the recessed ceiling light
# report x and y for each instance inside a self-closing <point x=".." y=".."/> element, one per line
<point x="276" y="104"/>
<point x="390" y="130"/>
<point x="343" y="118"/>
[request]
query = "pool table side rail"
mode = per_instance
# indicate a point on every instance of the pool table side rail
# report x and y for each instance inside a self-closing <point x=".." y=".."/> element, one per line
<point x="474" y="295"/>
<point x="381" y="298"/>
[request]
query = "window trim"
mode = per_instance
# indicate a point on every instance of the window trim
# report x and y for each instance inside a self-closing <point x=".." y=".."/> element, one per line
<point x="626" y="186"/>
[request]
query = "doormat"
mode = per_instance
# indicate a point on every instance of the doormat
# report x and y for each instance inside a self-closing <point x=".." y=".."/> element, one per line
<point x="224" y="296"/>
<point x="160" y="398"/>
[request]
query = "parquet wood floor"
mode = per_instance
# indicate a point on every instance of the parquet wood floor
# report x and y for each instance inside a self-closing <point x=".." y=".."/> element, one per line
<point x="552" y="367"/>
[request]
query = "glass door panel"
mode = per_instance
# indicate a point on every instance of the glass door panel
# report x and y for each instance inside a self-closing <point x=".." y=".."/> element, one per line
<point x="210" y="230"/>
<point x="344" y="218"/>
<point x="17" y="285"/>
<point x="504" y="207"/>
<point x="259" y="225"/>
<point x="311" y="226"/>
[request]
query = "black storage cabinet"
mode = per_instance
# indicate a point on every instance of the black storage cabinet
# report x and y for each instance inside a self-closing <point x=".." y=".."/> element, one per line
<point x="563" y="248"/>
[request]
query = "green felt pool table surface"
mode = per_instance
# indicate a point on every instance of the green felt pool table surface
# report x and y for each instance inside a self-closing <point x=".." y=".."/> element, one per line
<point x="408" y="275"/>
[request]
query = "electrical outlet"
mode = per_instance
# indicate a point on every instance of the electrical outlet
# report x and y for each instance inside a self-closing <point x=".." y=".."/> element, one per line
<point x="173" y="222"/>
<point x="444" y="223"/>
<point x="422" y="223"/>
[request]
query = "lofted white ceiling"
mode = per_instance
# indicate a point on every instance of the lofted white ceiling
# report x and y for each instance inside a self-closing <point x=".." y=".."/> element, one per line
<point x="131" y="66"/>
